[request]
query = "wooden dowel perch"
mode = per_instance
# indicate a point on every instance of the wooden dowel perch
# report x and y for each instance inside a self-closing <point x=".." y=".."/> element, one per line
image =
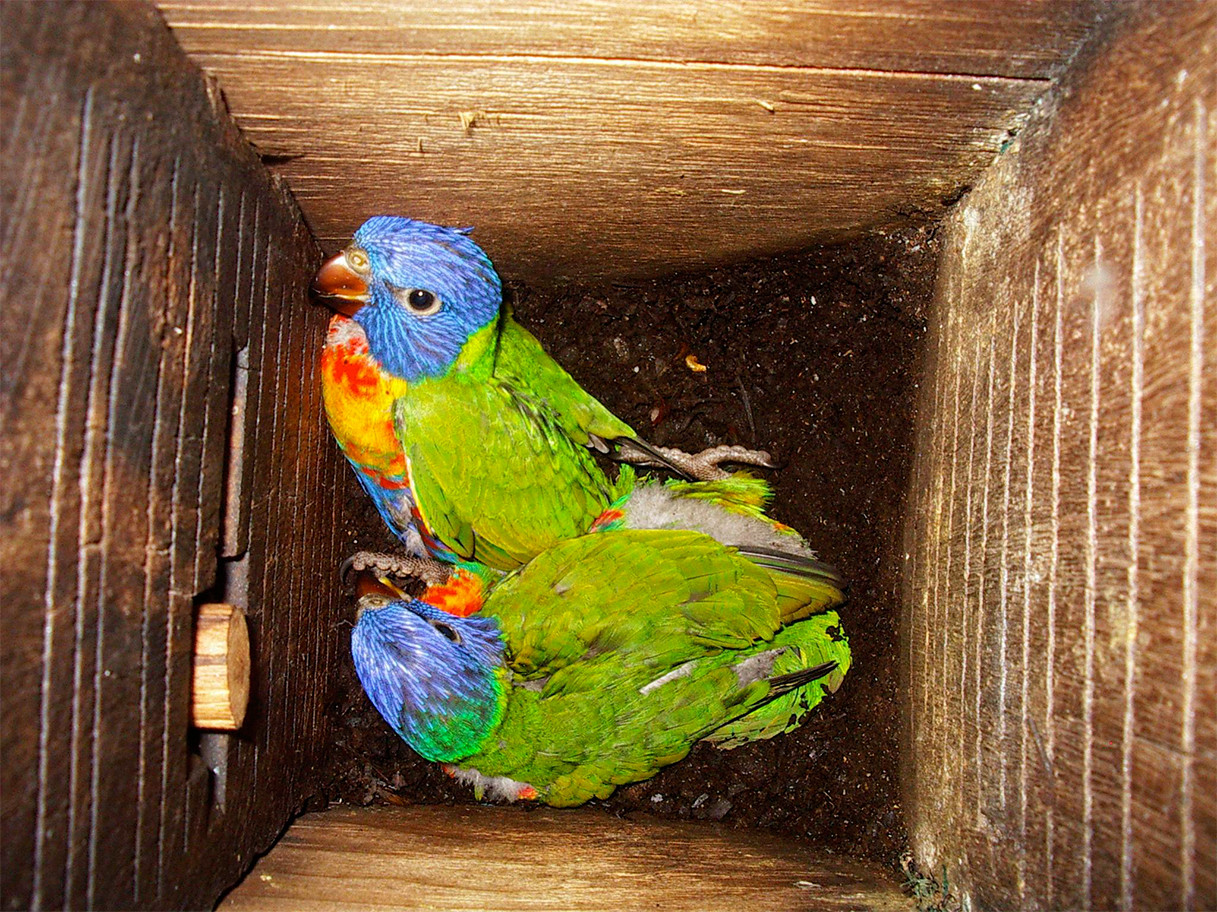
<point x="221" y="668"/>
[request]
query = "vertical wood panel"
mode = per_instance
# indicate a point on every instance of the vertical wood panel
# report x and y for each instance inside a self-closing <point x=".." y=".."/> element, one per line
<point x="217" y="409"/>
<point x="160" y="197"/>
<point x="1077" y="300"/>
<point x="146" y="228"/>
<point x="1073" y="663"/>
<point x="112" y="836"/>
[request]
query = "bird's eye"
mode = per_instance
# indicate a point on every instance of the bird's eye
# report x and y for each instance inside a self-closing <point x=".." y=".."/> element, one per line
<point x="419" y="301"/>
<point x="447" y="632"/>
<point x="357" y="260"/>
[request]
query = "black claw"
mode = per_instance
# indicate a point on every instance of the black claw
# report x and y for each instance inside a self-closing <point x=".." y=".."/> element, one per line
<point x="345" y="569"/>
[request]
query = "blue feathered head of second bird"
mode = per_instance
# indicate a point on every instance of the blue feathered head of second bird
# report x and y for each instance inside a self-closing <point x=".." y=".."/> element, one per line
<point x="437" y="679"/>
<point x="429" y="289"/>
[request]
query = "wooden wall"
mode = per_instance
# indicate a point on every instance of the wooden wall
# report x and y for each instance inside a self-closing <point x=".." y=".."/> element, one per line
<point x="601" y="139"/>
<point x="161" y="438"/>
<point x="1061" y="597"/>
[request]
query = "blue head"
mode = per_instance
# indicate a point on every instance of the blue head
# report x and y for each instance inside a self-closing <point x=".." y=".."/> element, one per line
<point x="418" y="290"/>
<point x="437" y="679"/>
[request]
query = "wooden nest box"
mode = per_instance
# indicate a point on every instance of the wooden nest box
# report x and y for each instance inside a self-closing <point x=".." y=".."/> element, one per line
<point x="1035" y="562"/>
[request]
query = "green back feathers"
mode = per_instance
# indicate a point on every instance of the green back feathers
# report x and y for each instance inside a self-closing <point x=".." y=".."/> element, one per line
<point x="570" y="605"/>
<point x="624" y="648"/>
<point x="803" y="585"/>
<point x="522" y="362"/>
<point x="742" y="493"/>
<point x="624" y="721"/>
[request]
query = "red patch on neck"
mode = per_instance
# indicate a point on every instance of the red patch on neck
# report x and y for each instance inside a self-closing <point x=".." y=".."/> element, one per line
<point x="461" y="595"/>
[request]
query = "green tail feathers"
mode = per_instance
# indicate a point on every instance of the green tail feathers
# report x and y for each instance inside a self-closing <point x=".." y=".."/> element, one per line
<point x="742" y="493"/>
<point x="806" y="644"/>
<point x="804" y="586"/>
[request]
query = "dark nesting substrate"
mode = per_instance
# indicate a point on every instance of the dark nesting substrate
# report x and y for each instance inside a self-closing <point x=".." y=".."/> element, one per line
<point x="814" y="357"/>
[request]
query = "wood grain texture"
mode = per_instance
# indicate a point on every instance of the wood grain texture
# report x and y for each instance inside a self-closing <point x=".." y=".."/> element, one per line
<point x="1061" y="586"/>
<point x="965" y="37"/>
<point x="446" y="858"/>
<point x="220" y="689"/>
<point x="147" y="248"/>
<point x="606" y="139"/>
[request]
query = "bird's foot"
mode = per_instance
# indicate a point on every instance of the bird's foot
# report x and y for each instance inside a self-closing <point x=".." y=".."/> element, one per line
<point x="429" y="571"/>
<point x="703" y="466"/>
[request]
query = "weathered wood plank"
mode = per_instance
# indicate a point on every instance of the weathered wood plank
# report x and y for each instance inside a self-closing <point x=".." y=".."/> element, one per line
<point x="1084" y="320"/>
<point x="975" y="38"/>
<point x="1044" y="454"/>
<point x="40" y="393"/>
<point x="115" y="417"/>
<point x="182" y="512"/>
<point x="237" y="276"/>
<point x="217" y="413"/>
<point x="113" y="827"/>
<point x="660" y="157"/>
<point x="493" y="858"/>
<point x="1074" y="664"/>
<point x="247" y="334"/>
<point x="686" y="137"/>
<point x="160" y="196"/>
<point x="1174" y="489"/>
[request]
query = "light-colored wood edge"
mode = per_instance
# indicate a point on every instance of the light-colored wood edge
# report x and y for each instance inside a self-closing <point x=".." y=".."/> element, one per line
<point x="221" y="668"/>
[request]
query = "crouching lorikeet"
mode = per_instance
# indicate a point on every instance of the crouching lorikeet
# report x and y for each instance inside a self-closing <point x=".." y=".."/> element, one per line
<point x="603" y="660"/>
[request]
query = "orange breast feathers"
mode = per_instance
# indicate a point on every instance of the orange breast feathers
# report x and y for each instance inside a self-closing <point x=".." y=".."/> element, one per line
<point x="358" y="399"/>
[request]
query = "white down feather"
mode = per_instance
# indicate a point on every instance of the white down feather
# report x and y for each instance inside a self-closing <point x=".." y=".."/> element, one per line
<point x="653" y="506"/>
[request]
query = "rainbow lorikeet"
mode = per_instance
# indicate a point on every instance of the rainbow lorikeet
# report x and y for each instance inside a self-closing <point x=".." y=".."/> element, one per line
<point x="473" y="443"/>
<point x="604" y="659"/>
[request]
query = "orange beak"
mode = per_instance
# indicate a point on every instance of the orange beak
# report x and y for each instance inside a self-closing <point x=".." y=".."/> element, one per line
<point x="338" y="287"/>
<point x="367" y="583"/>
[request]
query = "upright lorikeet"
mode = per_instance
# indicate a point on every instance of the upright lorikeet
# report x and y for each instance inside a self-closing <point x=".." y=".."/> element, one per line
<point x="601" y="661"/>
<point x="495" y="438"/>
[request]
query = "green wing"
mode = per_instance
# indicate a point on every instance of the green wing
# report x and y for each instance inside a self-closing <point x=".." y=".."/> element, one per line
<point x="628" y="646"/>
<point x="626" y="724"/>
<point x="522" y="363"/>
<point x="493" y="475"/>
<point x="497" y="450"/>
<point x="806" y="644"/>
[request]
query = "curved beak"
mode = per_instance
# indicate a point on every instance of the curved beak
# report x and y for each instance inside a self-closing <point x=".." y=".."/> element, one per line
<point x="338" y="287"/>
<point x="374" y="592"/>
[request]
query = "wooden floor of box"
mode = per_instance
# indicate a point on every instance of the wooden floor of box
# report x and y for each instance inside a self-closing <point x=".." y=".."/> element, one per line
<point x="446" y="858"/>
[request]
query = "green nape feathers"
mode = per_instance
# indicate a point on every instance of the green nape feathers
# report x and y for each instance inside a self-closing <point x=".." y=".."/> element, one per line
<point x="603" y="660"/>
